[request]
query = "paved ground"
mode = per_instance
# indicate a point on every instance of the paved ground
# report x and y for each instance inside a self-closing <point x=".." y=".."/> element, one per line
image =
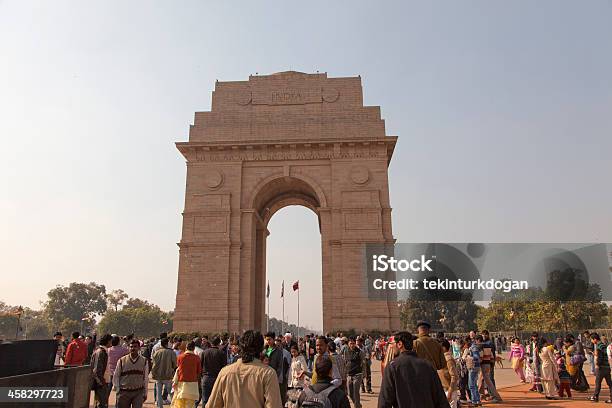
<point x="513" y="393"/>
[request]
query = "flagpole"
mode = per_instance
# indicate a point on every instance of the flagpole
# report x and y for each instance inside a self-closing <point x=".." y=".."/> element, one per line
<point x="283" y="315"/>
<point x="298" y="325"/>
<point x="268" y="314"/>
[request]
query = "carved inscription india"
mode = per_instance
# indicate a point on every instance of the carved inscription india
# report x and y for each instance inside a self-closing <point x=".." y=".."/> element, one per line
<point x="287" y="97"/>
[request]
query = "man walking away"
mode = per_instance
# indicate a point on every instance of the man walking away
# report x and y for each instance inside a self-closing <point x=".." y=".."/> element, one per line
<point x="76" y="353"/>
<point x="409" y="381"/>
<point x="323" y="393"/>
<point x="186" y="379"/>
<point x="428" y="348"/>
<point x="602" y="367"/>
<point x="164" y="365"/>
<point x="131" y="378"/>
<point x="213" y="360"/>
<point x="101" y="382"/>
<point x="248" y="382"/>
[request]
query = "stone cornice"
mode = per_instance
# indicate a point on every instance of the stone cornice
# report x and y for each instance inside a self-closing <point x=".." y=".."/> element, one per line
<point x="288" y="150"/>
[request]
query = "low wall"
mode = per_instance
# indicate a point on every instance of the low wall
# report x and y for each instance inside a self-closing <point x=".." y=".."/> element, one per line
<point x="75" y="378"/>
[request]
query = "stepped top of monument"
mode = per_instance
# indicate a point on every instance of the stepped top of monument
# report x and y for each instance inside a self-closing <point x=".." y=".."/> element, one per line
<point x="288" y="106"/>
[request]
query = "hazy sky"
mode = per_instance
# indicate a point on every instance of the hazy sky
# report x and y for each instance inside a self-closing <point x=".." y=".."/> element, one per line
<point x="503" y="109"/>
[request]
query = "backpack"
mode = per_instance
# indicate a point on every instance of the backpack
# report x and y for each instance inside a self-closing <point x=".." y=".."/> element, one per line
<point x="317" y="400"/>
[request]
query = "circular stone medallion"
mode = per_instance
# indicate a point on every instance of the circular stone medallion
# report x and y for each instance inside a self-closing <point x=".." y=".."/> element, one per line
<point x="213" y="179"/>
<point x="360" y="175"/>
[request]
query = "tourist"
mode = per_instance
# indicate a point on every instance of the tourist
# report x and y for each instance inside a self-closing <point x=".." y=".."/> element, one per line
<point x="298" y="370"/>
<point x="91" y="346"/>
<point x="234" y="354"/>
<point x="409" y="381"/>
<point x="471" y="356"/>
<point x="199" y="351"/>
<point x="115" y="352"/>
<point x="338" y="362"/>
<point x="354" y="358"/>
<point x="59" y="354"/>
<point x="164" y="365"/>
<point x="390" y="353"/>
<point x="427" y="347"/>
<point x="323" y="391"/>
<point x="288" y="342"/>
<point x="574" y="360"/>
<point x="550" y="375"/>
<point x="178" y="346"/>
<point x="517" y="358"/>
<point x="366" y="347"/>
<point x="456" y="347"/>
<point x="147" y="350"/>
<point x="487" y="341"/>
<point x="131" y="378"/>
<point x="451" y="384"/>
<point x="534" y="361"/>
<point x="76" y="353"/>
<point x="158" y="344"/>
<point x="464" y="391"/>
<point x="213" y="360"/>
<point x="247" y="382"/>
<point x="186" y="381"/>
<point x="275" y="360"/>
<point x="487" y="361"/>
<point x="564" y="376"/>
<point x="602" y="367"/>
<point x="101" y="375"/>
<point x="286" y="364"/>
<point x="588" y="350"/>
<point x="321" y="347"/>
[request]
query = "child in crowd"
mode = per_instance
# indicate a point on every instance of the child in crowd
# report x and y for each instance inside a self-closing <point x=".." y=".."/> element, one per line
<point x="564" y="376"/>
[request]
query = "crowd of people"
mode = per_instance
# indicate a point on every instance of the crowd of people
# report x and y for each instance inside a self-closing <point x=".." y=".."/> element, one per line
<point x="255" y="370"/>
<point x="556" y="368"/>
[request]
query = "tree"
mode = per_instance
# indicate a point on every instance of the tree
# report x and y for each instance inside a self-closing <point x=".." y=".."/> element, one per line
<point x="8" y="321"/>
<point x="137" y="316"/>
<point x="116" y="297"/>
<point x="72" y="303"/>
<point x="443" y="315"/>
<point x="137" y="303"/>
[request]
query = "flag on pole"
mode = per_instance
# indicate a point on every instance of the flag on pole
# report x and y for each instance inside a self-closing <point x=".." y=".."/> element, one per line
<point x="268" y="290"/>
<point x="283" y="290"/>
<point x="296" y="286"/>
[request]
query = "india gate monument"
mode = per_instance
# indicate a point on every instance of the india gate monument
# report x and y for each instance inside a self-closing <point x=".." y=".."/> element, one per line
<point x="272" y="141"/>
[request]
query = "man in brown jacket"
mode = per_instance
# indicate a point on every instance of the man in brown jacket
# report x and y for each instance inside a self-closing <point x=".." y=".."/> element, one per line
<point x="247" y="382"/>
<point x="428" y="348"/>
<point x="101" y="373"/>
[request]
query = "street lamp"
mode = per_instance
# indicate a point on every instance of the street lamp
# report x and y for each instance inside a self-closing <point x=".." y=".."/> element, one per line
<point x="19" y="313"/>
<point x="513" y="318"/>
<point x="83" y="320"/>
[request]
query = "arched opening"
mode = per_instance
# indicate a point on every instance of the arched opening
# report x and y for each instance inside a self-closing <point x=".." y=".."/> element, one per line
<point x="295" y="195"/>
<point x="294" y="254"/>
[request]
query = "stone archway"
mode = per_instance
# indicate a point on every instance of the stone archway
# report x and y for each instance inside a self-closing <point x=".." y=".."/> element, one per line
<point x="276" y="140"/>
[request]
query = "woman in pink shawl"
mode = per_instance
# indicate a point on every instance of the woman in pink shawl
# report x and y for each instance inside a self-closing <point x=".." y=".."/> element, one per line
<point x="517" y="357"/>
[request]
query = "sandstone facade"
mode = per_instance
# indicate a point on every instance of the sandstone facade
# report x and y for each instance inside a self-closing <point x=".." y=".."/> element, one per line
<point x="276" y="140"/>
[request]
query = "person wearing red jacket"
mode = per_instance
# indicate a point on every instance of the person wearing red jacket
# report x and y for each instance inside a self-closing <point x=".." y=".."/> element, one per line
<point x="186" y="382"/>
<point x="76" y="353"/>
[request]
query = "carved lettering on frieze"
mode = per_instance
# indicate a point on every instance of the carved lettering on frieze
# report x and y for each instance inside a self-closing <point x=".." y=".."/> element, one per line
<point x="287" y="153"/>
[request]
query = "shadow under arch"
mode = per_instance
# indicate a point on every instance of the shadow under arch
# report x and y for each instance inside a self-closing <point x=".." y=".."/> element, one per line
<point x="278" y="191"/>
